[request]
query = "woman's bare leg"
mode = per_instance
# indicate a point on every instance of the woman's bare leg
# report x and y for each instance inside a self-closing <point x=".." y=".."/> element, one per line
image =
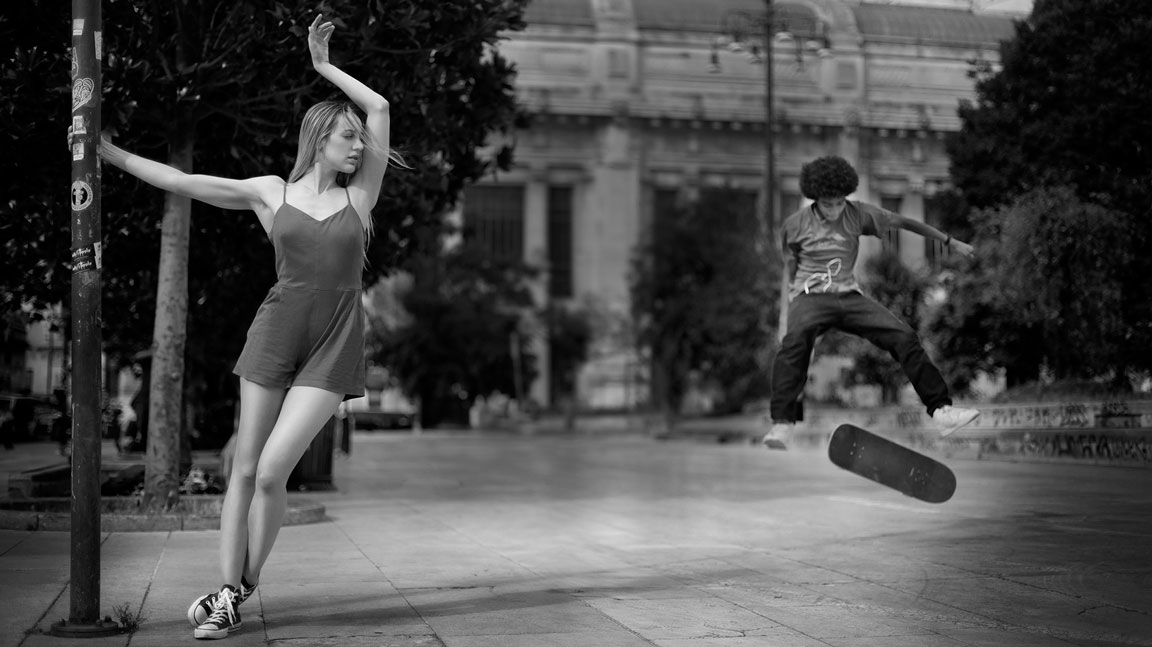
<point x="304" y="412"/>
<point x="259" y="409"/>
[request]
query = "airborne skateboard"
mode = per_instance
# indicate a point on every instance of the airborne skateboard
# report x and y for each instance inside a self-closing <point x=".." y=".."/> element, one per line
<point x="888" y="463"/>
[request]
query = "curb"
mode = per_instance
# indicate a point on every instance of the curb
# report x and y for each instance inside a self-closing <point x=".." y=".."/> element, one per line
<point x="203" y="513"/>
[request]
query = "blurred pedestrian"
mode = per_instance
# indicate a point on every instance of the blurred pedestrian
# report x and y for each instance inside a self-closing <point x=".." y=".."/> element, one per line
<point x="62" y="424"/>
<point x="305" y="348"/>
<point x="7" y="425"/>
<point x="821" y="243"/>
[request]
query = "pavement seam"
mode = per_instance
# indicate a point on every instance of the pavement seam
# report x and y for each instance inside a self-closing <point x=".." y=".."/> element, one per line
<point x="151" y="578"/>
<point x="386" y="579"/>
<point x="29" y="631"/>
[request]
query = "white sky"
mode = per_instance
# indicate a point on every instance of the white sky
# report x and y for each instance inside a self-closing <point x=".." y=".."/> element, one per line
<point x="1014" y="6"/>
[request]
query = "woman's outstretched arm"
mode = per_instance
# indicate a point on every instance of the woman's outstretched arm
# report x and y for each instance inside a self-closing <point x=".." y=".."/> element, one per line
<point x="217" y="191"/>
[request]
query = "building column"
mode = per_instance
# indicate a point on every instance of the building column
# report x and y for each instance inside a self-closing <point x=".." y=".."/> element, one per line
<point x="912" y="245"/>
<point x="536" y="254"/>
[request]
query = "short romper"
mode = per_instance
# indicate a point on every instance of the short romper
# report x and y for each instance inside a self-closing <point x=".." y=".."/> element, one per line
<point x="310" y="329"/>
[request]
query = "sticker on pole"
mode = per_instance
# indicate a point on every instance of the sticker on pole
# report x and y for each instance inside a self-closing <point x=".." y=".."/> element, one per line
<point x="87" y="258"/>
<point x="81" y="93"/>
<point x="81" y="195"/>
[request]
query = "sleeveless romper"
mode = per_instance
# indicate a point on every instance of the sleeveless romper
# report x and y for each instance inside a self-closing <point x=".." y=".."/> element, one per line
<point x="310" y="329"/>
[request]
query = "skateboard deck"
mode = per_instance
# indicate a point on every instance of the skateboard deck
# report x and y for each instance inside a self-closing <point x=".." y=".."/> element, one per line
<point x="900" y="468"/>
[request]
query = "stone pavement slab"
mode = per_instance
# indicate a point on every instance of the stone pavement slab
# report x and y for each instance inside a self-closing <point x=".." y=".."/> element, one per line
<point x="476" y="540"/>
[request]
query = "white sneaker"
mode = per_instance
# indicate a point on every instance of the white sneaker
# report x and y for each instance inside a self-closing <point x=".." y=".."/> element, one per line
<point x="225" y="617"/>
<point x="778" y="436"/>
<point x="206" y="604"/>
<point x="951" y="418"/>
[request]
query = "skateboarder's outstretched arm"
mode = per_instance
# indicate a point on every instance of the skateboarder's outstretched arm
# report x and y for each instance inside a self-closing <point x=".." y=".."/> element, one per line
<point x="928" y="231"/>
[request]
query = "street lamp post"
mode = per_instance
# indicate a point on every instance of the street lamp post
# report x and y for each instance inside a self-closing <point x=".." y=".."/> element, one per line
<point x="769" y="29"/>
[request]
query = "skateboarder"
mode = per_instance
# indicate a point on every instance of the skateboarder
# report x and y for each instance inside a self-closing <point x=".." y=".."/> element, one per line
<point x="821" y="243"/>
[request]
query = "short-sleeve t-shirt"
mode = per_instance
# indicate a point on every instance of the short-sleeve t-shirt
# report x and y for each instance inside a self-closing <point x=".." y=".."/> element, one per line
<point x="825" y="250"/>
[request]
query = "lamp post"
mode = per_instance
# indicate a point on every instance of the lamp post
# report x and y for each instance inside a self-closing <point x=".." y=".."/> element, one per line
<point x="759" y="34"/>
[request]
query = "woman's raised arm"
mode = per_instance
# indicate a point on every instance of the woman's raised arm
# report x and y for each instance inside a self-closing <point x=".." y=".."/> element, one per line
<point x="368" y="178"/>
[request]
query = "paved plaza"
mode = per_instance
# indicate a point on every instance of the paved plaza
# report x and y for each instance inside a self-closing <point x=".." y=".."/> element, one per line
<point x="501" y="540"/>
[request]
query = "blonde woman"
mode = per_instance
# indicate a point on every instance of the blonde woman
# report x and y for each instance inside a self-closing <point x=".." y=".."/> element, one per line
<point x="305" y="348"/>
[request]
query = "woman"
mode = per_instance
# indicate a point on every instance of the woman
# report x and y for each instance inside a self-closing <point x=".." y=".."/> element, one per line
<point x="304" y="353"/>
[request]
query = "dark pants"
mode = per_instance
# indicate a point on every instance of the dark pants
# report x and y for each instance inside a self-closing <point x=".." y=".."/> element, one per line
<point x="811" y="315"/>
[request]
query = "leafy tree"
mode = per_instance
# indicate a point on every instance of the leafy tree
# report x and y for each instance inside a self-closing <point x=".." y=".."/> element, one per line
<point x="221" y="87"/>
<point x="896" y="287"/>
<point x="701" y="299"/>
<point x="569" y="336"/>
<point x="1068" y="108"/>
<point x="463" y="325"/>
<point x="1045" y="292"/>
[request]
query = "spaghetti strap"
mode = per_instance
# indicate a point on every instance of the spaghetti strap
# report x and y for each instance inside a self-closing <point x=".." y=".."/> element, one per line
<point x="348" y="196"/>
<point x="284" y="196"/>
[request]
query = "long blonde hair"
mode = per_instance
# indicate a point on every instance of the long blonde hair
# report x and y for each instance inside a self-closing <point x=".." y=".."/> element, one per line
<point x="319" y="123"/>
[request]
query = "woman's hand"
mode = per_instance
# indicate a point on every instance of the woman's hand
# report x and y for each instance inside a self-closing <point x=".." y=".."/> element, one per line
<point x="100" y="144"/>
<point x="318" y="35"/>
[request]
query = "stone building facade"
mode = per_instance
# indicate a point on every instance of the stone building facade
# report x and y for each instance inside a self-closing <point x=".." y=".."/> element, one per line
<point x="636" y="104"/>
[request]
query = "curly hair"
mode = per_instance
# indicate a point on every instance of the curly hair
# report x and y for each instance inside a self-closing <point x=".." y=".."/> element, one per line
<point x="828" y="177"/>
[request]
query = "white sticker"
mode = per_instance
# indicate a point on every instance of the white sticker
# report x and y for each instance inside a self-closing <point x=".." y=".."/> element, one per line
<point x="78" y="125"/>
<point x="99" y="36"/>
<point x="77" y="152"/>
<point x="77" y="26"/>
<point x="81" y="93"/>
<point x="81" y="195"/>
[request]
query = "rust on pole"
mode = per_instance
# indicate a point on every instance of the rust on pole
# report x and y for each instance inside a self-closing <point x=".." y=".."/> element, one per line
<point x="84" y="195"/>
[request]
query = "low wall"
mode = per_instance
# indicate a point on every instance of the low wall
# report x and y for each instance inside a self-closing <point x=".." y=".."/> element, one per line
<point x="1116" y="432"/>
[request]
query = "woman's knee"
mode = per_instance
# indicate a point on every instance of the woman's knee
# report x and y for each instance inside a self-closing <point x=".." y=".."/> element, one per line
<point x="270" y="479"/>
<point x="243" y="474"/>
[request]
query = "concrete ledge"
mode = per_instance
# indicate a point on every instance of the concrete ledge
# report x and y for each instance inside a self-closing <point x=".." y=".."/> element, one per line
<point x="195" y="512"/>
<point x="1115" y="433"/>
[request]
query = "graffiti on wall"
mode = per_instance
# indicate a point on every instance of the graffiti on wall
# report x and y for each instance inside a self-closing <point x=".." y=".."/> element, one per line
<point x="1083" y="446"/>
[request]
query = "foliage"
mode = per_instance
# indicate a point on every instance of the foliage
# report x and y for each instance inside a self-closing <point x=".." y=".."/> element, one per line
<point x="224" y="83"/>
<point x="1067" y="108"/>
<point x="896" y="287"/>
<point x="569" y="336"/>
<point x="235" y="77"/>
<point x="702" y="300"/>
<point x="1041" y="294"/>
<point x="465" y="311"/>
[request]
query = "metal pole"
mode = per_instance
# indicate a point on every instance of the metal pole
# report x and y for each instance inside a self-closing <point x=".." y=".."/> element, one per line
<point x="770" y="228"/>
<point x="84" y="612"/>
<point x="769" y="124"/>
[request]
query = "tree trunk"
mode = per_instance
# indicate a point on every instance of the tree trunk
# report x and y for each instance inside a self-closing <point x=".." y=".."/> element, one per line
<point x="162" y="463"/>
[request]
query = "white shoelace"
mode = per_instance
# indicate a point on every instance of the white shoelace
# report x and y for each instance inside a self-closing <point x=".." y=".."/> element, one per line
<point x="224" y="612"/>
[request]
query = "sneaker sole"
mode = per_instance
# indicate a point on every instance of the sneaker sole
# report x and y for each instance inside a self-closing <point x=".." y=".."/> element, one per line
<point x="955" y="428"/>
<point x="214" y="634"/>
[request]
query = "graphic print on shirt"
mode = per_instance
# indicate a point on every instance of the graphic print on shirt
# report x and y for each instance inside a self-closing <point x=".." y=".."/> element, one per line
<point x="819" y="245"/>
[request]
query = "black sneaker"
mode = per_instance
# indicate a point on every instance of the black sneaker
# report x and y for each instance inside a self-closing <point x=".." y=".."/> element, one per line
<point x="203" y="606"/>
<point x="225" y="617"/>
